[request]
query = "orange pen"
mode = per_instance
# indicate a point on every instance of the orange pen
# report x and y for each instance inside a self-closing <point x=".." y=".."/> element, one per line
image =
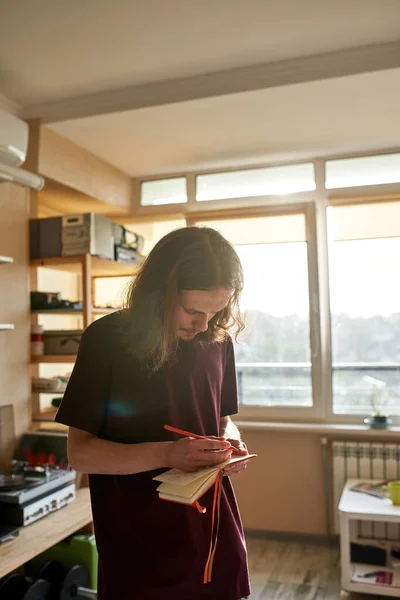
<point x="188" y="434"/>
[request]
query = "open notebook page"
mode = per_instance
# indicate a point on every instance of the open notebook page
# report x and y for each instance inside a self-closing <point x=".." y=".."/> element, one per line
<point x="178" y="477"/>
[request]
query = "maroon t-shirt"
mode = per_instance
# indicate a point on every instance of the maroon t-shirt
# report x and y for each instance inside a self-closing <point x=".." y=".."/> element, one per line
<point x="152" y="549"/>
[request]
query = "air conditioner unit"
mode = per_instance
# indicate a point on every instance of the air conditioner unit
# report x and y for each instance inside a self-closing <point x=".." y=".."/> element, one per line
<point x="13" y="148"/>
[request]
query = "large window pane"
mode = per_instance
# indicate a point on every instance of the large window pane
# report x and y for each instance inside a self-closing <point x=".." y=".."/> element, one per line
<point x="273" y="353"/>
<point x="366" y="170"/>
<point x="365" y="306"/>
<point x="163" y="191"/>
<point x="255" y="182"/>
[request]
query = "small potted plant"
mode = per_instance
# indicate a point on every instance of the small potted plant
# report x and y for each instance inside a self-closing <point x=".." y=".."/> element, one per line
<point x="378" y="419"/>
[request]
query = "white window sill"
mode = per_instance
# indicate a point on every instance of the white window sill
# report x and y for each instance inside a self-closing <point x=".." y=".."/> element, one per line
<point x="360" y="431"/>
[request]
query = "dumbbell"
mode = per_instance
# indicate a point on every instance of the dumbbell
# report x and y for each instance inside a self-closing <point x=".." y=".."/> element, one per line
<point x="75" y="585"/>
<point x="46" y="584"/>
<point x="40" y="590"/>
<point x="45" y="587"/>
<point x="13" y="587"/>
<point x="51" y="583"/>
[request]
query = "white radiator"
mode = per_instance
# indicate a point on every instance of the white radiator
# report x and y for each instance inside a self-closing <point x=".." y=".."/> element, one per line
<point x="365" y="460"/>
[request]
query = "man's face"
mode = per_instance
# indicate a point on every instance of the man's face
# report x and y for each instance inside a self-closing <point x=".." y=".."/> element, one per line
<point x="196" y="308"/>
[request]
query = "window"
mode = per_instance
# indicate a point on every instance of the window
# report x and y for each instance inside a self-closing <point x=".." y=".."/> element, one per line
<point x="273" y="353"/>
<point x="365" y="170"/>
<point x="163" y="191"/>
<point x="255" y="182"/>
<point x="364" y="252"/>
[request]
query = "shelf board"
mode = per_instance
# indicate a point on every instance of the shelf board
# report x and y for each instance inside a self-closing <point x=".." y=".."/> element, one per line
<point x="35" y="393"/>
<point x="100" y="267"/>
<point x="78" y="313"/>
<point x="57" y="311"/>
<point x="47" y="414"/>
<point x="370" y="587"/>
<point x="104" y="311"/>
<point x="6" y="326"/>
<point x="56" y="358"/>
<point x="6" y="260"/>
<point x="40" y="424"/>
<point x="45" y="533"/>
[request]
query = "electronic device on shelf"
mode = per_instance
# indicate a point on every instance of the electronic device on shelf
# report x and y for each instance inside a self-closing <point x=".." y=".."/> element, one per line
<point x="128" y="246"/>
<point x="38" y="479"/>
<point x="52" y="301"/>
<point x="19" y="488"/>
<point x="29" y="512"/>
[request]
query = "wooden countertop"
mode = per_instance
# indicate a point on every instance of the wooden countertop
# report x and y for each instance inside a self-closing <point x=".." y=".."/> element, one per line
<point x="35" y="538"/>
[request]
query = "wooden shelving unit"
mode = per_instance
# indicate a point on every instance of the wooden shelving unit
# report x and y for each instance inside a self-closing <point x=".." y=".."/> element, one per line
<point x="103" y="189"/>
<point x="47" y="414"/>
<point x="89" y="268"/>
<point x="98" y="267"/>
<point x="53" y="358"/>
<point x="48" y="392"/>
<point x="69" y="312"/>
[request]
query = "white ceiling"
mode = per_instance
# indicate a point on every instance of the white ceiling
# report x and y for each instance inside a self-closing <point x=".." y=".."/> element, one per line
<point x="297" y="121"/>
<point x="60" y="60"/>
<point x="52" y="49"/>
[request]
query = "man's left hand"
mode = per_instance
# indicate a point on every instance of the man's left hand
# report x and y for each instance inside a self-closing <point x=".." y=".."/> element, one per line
<point x="240" y="449"/>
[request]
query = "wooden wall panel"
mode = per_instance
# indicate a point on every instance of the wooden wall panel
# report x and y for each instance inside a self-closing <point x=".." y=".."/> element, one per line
<point x="56" y="199"/>
<point x="69" y="164"/>
<point x="14" y="308"/>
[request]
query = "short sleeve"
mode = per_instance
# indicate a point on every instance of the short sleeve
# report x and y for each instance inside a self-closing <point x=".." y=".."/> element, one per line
<point x="85" y="399"/>
<point x="229" y="395"/>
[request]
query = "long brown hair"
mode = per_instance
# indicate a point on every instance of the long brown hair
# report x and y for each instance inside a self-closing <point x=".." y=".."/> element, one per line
<point x="191" y="258"/>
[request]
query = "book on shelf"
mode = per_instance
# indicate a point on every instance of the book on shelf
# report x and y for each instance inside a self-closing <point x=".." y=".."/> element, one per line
<point x="377" y="489"/>
<point x="188" y="487"/>
<point x="375" y="576"/>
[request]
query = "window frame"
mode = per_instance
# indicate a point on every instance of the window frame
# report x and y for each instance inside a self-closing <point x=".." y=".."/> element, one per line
<point x="315" y="204"/>
<point x="306" y="413"/>
<point x="332" y="201"/>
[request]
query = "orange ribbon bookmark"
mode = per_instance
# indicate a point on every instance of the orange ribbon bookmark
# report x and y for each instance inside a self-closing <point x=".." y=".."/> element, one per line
<point x="216" y="508"/>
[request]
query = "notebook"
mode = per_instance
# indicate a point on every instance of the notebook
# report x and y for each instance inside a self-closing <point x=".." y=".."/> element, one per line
<point x="187" y="488"/>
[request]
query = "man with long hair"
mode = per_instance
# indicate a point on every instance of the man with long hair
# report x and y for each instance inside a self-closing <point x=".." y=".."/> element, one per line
<point x="167" y="358"/>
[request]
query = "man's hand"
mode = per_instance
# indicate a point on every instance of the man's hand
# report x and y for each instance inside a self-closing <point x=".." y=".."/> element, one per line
<point x="240" y="449"/>
<point x="189" y="454"/>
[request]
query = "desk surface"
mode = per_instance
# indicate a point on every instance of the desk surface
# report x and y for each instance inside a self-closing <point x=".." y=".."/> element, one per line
<point x="35" y="538"/>
<point x="365" y="506"/>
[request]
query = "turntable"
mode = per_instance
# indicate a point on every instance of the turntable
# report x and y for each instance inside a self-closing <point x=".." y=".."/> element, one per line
<point x="11" y="481"/>
<point x="18" y="488"/>
<point x="38" y="480"/>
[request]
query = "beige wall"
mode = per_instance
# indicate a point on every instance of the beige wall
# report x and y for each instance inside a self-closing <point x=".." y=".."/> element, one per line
<point x="14" y="308"/>
<point x="282" y="489"/>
